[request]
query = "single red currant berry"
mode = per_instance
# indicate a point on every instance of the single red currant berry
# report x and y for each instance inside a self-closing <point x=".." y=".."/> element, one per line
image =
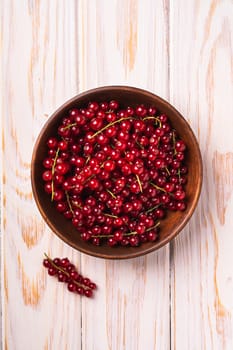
<point x="96" y="241"/>
<point x="47" y="175"/>
<point x="92" y="285"/>
<point x="52" y="271"/>
<point x="80" y="290"/>
<point x="152" y="235"/>
<point x="74" y="275"/>
<point x="48" y="163"/>
<point x="93" y="106"/>
<point x="159" y="163"/>
<point x="180" y="146"/>
<point x="64" y="262"/>
<point x="71" y="287"/>
<point x="88" y="293"/>
<point x="109" y="165"/>
<point x="134" y="241"/>
<point x="86" y="281"/>
<point x="96" y="123"/>
<point x="140" y="228"/>
<point x="111" y="117"/>
<point x="112" y="242"/>
<point x="113" y="105"/>
<point x="140" y="111"/>
<point x="57" y="261"/>
<point x="179" y="195"/>
<point x="46" y="263"/>
<point x="180" y="206"/>
<point x="63" y="145"/>
<point x="52" y="143"/>
<point x="61" y="277"/>
<point x="118" y="235"/>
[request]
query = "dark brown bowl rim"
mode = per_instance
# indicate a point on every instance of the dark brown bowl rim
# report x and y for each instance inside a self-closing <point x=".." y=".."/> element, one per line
<point x="133" y="252"/>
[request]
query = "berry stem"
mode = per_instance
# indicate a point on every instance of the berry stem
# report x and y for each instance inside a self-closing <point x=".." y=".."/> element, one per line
<point x="153" y="227"/>
<point x="153" y="208"/>
<point x="139" y="145"/>
<point x="158" y="188"/>
<point x="131" y="233"/>
<point x="69" y="126"/>
<point x="108" y="125"/>
<point x="68" y="202"/>
<point x="139" y="182"/>
<point x="155" y="118"/>
<point x="64" y="271"/>
<point x="77" y="205"/>
<point x="111" y="216"/>
<point x="87" y="160"/>
<point x="178" y="173"/>
<point x="89" y="178"/>
<point x="174" y="143"/>
<point x="111" y="194"/>
<point x="53" y="171"/>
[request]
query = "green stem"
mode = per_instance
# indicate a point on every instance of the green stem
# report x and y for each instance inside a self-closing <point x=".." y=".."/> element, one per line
<point x="108" y="125"/>
<point x="153" y="208"/>
<point x="157" y="187"/>
<point x="152" y="228"/>
<point x="53" y="171"/>
<point x="55" y="161"/>
<point x="129" y="233"/>
<point x="69" y="126"/>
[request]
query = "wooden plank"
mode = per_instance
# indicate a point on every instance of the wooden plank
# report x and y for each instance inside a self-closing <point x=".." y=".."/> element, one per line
<point x="201" y="88"/>
<point x="131" y="310"/>
<point x="39" y="73"/>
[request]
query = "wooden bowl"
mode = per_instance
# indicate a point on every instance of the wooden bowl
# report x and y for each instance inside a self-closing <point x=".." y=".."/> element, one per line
<point x="174" y="221"/>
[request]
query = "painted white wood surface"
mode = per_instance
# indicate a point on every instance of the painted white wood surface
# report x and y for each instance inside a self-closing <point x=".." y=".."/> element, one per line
<point x="180" y="297"/>
<point x="201" y="86"/>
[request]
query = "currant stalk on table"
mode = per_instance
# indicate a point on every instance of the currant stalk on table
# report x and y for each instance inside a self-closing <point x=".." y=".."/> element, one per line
<point x="66" y="272"/>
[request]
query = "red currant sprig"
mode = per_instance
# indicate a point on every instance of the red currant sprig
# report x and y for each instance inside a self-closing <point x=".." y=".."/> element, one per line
<point x="66" y="272"/>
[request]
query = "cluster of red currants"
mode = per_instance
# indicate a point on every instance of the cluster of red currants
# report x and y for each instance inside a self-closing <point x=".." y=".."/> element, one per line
<point x="115" y="172"/>
<point x="67" y="272"/>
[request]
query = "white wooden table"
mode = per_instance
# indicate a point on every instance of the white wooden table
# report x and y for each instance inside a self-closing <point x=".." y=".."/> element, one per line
<point x="180" y="297"/>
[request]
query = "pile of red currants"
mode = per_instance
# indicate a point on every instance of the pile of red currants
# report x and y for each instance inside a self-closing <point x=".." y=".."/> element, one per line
<point x="66" y="272"/>
<point x="116" y="172"/>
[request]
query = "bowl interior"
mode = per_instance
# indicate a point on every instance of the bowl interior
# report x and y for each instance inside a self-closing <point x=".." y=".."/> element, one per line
<point x="174" y="221"/>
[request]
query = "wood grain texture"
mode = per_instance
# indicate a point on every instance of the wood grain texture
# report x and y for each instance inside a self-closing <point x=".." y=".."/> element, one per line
<point x="36" y="80"/>
<point x="180" y="297"/>
<point x="132" y="306"/>
<point x="201" y="85"/>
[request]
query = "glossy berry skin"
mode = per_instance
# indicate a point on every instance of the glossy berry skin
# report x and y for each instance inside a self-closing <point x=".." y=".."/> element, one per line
<point x="46" y="263"/>
<point x="113" y="105"/>
<point x="114" y="171"/>
<point x="88" y="293"/>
